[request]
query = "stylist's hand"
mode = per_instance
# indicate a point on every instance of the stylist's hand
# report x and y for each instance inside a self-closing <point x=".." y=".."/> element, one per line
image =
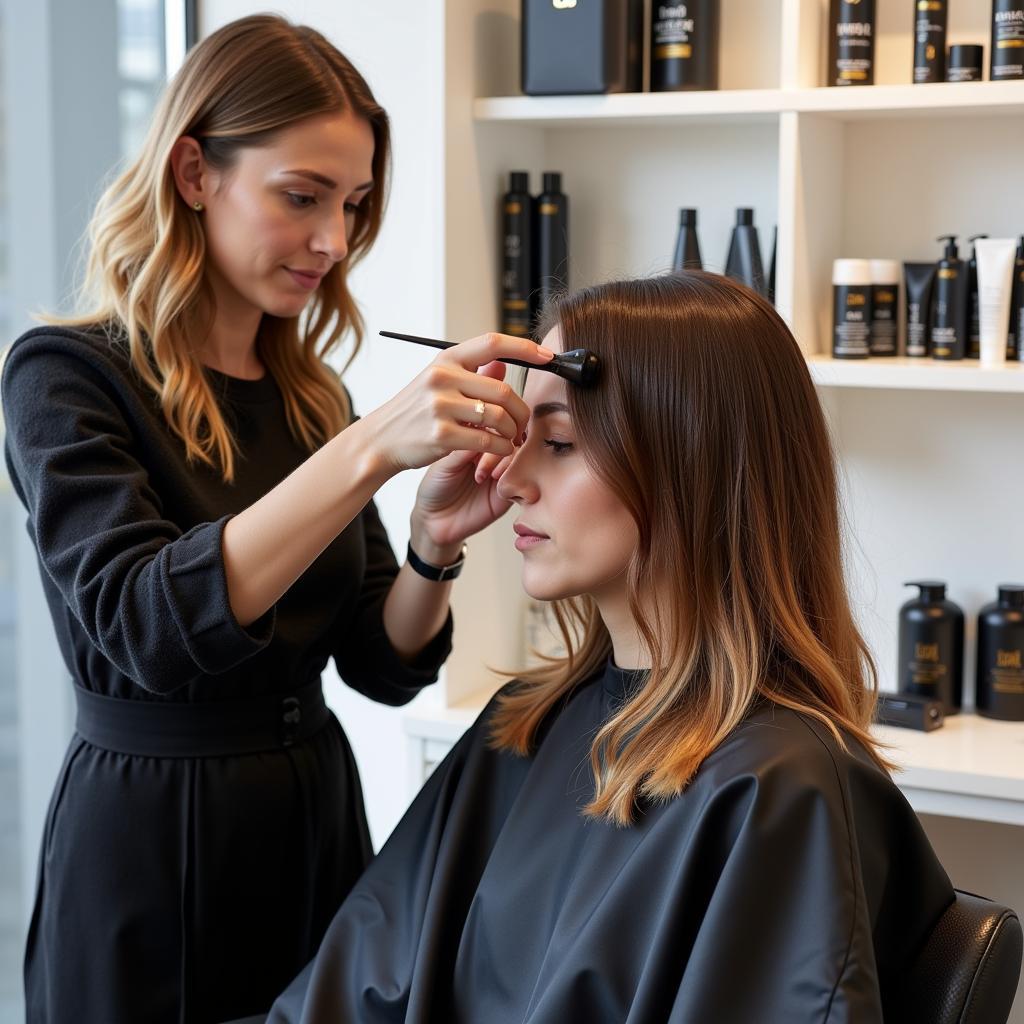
<point x="437" y="413"/>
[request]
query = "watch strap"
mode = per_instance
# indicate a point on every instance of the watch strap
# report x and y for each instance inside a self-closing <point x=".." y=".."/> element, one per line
<point x="437" y="573"/>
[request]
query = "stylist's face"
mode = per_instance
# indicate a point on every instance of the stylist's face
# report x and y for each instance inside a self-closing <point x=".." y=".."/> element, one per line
<point x="574" y="534"/>
<point x="282" y="216"/>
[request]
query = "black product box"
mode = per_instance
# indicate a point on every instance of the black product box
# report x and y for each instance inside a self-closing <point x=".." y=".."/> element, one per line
<point x="582" y="46"/>
<point x="910" y="711"/>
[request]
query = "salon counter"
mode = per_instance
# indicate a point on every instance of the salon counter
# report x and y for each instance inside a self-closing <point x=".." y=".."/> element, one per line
<point x="971" y="768"/>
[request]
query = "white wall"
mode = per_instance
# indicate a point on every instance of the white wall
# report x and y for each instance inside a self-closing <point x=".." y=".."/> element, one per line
<point x="399" y="49"/>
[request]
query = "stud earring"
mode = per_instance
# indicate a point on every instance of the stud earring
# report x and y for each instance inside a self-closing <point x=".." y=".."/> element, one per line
<point x="198" y="206"/>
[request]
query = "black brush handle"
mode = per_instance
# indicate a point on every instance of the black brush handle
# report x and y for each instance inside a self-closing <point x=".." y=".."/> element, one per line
<point x="579" y="366"/>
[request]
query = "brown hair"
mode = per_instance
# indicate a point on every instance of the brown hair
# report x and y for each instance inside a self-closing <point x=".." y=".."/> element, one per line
<point x="239" y="87"/>
<point x="707" y="427"/>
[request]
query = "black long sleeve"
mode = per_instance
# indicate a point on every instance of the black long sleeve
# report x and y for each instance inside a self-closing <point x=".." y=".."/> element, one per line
<point x="129" y="538"/>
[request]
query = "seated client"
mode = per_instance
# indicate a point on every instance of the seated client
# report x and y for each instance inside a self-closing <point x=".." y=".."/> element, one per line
<point x="684" y="819"/>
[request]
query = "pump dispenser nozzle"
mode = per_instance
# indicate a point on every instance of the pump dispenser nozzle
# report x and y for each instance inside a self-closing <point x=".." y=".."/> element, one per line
<point x="951" y="252"/>
<point x="930" y="590"/>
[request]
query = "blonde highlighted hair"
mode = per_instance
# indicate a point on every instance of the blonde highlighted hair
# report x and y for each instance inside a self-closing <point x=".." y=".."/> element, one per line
<point x="145" y="278"/>
<point x="707" y="427"/>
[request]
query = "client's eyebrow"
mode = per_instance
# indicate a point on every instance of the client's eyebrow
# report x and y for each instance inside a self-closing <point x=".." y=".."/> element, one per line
<point x="546" y="408"/>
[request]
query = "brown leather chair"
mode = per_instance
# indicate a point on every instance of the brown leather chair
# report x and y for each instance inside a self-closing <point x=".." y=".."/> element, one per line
<point x="967" y="971"/>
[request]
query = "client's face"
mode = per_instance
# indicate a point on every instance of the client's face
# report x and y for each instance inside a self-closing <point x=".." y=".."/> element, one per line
<point x="574" y="534"/>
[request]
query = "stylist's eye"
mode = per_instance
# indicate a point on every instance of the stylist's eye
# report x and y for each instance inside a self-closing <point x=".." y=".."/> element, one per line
<point x="300" y="199"/>
<point x="557" y="447"/>
<point x="352" y="207"/>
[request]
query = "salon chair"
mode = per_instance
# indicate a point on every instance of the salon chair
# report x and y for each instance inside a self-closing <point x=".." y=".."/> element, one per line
<point x="967" y="971"/>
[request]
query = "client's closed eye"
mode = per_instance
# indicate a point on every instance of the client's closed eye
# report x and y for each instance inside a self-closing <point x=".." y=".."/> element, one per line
<point x="558" y="447"/>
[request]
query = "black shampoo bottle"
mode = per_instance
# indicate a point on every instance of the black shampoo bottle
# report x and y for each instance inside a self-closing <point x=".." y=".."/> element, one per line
<point x="949" y="305"/>
<point x="687" y="252"/>
<point x="931" y="646"/>
<point x="552" y="231"/>
<point x="517" y="256"/>
<point x="999" y="682"/>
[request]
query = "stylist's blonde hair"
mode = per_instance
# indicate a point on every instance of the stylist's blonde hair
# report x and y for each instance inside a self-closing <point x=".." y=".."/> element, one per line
<point x="145" y="279"/>
<point x="707" y="427"/>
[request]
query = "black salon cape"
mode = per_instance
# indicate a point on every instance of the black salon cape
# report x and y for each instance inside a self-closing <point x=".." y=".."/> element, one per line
<point x="184" y="889"/>
<point x="790" y="883"/>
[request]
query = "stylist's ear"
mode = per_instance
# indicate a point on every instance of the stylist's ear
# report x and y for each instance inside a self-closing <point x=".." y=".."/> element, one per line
<point x="190" y="173"/>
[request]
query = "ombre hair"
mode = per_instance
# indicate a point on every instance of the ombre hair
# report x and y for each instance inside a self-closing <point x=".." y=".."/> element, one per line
<point x="707" y="427"/>
<point x="145" y="278"/>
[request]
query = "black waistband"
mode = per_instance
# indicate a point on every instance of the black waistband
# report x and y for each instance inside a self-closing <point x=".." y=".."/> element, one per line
<point x="212" y="729"/>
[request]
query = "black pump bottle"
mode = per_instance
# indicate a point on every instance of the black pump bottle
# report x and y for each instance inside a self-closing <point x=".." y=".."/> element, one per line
<point x="999" y="681"/>
<point x="949" y="306"/>
<point x="687" y="254"/>
<point x="931" y="646"/>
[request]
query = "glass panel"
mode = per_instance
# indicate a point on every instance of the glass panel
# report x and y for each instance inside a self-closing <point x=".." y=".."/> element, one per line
<point x="141" y="62"/>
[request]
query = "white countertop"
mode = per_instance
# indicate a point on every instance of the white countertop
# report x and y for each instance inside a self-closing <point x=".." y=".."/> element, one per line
<point x="972" y="767"/>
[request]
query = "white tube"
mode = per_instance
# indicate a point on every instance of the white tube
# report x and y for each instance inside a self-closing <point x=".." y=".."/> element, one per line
<point x="995" y="282"/>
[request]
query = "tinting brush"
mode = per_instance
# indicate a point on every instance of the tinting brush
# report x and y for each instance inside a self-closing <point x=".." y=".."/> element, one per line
<point x="579" y="366"/>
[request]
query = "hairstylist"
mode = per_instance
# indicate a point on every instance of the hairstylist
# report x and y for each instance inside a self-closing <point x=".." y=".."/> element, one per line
<point x="199" y="494"/>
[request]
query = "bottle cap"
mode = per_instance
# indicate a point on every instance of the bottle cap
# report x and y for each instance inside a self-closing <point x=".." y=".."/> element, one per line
<point x="519" y="181"/>
<point x="851" y="272"/>
<point x="744" y="216"/>
<point x="951" y="252"/>
<point x="931" y="590"/>
<point x="974" y="238"/>
<point x="687" y="217"/>
<point x="885" y="271"/>
<point x="552" y="181"/>
<point x="1011" y="595"/>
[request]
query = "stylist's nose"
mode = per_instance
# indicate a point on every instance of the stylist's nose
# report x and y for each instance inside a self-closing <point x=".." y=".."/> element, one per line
<point x="516" y="483"/>
<point x="332" y="239"/>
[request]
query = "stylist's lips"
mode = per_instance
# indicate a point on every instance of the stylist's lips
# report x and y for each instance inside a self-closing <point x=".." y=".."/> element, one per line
<point x="308" y="279"/>
<point x="527" y="538"/>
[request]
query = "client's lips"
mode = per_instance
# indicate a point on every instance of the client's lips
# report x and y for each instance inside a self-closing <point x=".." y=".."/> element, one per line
<point x="307" y="278"/>
<point x="525" y="531"/>
<point x="527" y="538"/>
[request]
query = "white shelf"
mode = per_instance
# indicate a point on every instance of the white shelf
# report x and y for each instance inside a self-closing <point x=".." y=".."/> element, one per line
<point x="972" y="767"/>
<point x="741" y="105"/>
<point x="915" y="374"/>
<point x="941" y="99"/>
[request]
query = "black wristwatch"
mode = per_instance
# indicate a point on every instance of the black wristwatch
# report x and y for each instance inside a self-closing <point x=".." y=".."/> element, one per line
<point x="437" y="573"/>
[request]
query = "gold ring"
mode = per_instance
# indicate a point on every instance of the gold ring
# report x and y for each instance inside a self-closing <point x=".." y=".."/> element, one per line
<point x="481" y="409"/>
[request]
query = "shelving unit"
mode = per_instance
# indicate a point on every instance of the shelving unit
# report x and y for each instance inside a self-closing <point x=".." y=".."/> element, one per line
<point x="929" y="453"/>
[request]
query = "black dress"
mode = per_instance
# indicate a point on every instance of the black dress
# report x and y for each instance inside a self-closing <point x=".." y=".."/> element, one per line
<point x="181" y="880"/>
<point x="790" y="883"/>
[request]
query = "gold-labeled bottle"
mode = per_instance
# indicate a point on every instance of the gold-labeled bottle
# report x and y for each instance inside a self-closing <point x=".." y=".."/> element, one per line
<point x="999" y="681"/>
<point x="517" y="256"/>
<point x="931" y="646"/>
<point x="851" y="49"/>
